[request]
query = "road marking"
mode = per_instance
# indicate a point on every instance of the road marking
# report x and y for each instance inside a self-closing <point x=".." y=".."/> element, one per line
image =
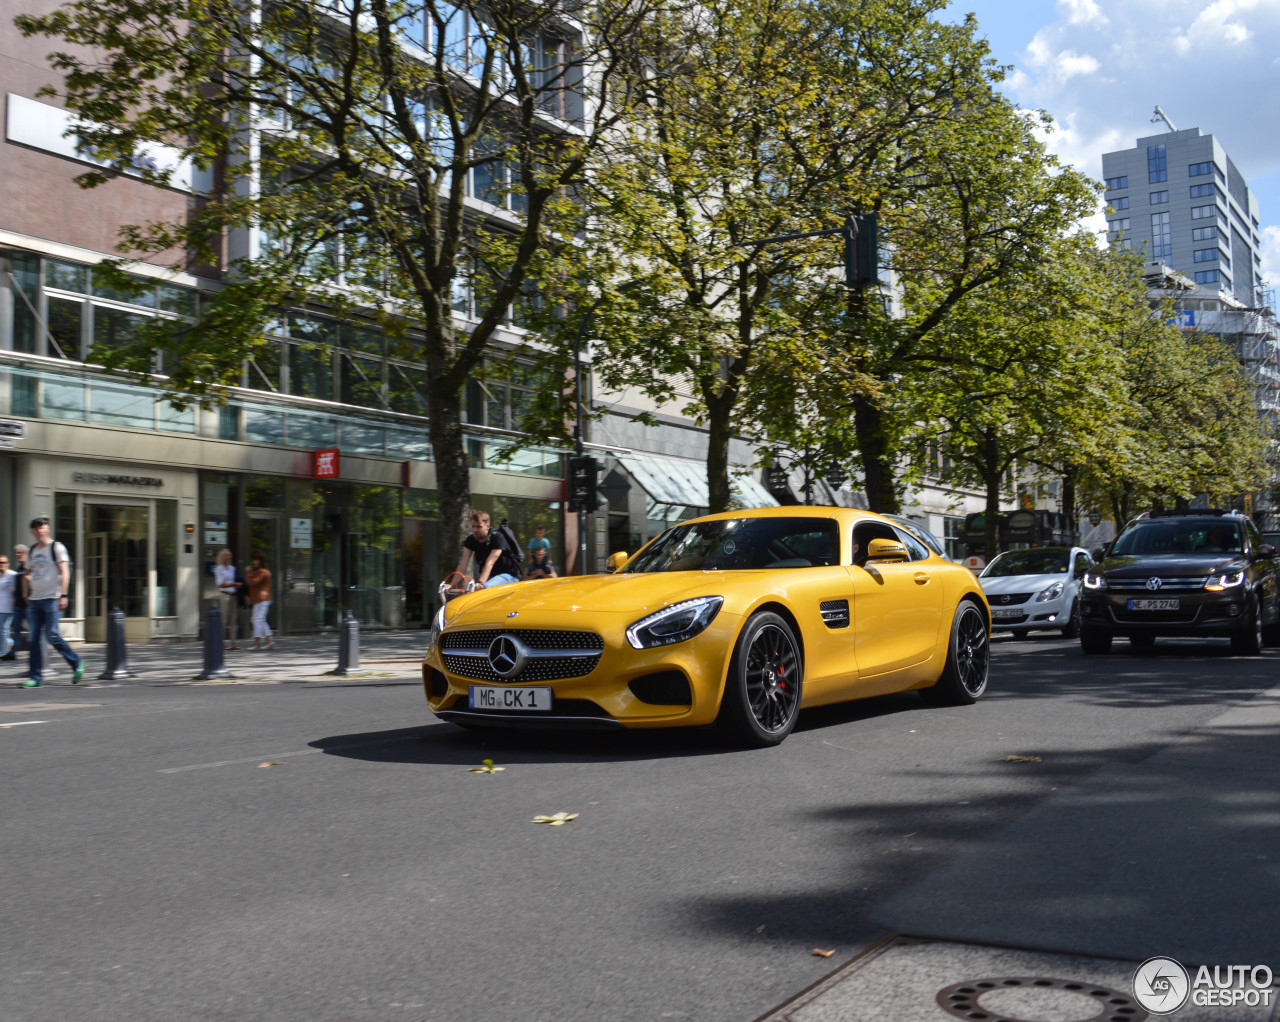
<point x="283" y="755"/>
<point x="19" y="723"/>
<point x="43" y="707"/>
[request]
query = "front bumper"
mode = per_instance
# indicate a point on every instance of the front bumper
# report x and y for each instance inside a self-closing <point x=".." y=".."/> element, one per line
<point x="1199" y="613"/>
<point x="627" y="688"/>
<point x="1025" y="617"/>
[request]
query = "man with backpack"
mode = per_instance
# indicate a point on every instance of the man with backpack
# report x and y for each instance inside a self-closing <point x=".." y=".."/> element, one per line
<point x="497" y="562"/>
<point x="45" y="585"/>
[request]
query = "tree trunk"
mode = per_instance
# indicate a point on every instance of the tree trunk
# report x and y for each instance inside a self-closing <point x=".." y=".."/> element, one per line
<point x="453" y="480"/>
<point x="991" y="477"/>
<point x="719" y="417"/>
<point x="877" y="459"/>
<point x="1069" y="498"/>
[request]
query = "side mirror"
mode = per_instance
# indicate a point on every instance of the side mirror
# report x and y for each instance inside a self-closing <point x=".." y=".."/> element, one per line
<point x="886" y="550"/>
<point x="616" y="562"/>
<point x="1265" y="550"/>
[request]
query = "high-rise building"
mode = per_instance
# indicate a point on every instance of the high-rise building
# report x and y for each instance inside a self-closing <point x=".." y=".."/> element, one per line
<point x="1179" y="197"/>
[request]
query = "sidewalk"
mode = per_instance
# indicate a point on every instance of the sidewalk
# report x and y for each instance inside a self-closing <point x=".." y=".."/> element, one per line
<point x="294" y="658"/>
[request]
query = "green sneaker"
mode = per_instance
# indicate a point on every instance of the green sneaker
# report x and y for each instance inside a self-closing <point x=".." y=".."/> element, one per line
<point x="78" y="673"/>
<point x="32" y="683"/>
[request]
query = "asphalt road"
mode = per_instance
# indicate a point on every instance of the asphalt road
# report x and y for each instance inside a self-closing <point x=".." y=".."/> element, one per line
<point x="322" y="852"/>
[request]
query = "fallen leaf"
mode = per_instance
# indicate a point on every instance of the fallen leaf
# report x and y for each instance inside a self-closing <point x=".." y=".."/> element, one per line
<point x="1021" y="759"/>
<point x="487" y="767"/>
<point x="274" y="762"/>
<point x="556" y="819"/>
<point x="822" y="954"/>
<point x="760" y="928"/>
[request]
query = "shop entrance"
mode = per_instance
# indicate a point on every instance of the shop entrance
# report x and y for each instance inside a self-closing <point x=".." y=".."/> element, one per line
<point x="264" y="539"/>
<point x="116" y="570"/>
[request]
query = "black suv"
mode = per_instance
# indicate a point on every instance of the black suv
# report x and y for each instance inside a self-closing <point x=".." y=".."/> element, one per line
<point x="1183" y="573"/>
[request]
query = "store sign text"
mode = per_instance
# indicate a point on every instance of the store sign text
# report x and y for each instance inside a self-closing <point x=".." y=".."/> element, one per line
<point x="98" y="478"/>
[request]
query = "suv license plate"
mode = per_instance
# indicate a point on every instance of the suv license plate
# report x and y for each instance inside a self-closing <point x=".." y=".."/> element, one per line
<point x="504" y="697"/>
<point x="1153" y="604"/>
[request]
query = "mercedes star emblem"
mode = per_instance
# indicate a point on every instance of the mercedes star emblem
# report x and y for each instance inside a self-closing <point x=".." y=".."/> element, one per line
<point x="506" y="655"/>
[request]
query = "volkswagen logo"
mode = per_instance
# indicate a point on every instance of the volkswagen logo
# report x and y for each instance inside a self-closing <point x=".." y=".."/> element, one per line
<point x="507" y="655"/>
<point x="1154" y="583"/>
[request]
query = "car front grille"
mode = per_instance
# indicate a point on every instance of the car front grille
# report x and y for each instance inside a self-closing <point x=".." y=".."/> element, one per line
<point x="552" y="654"/>
<point x="1181" y="583"/>
<point x="1008" y="599"/>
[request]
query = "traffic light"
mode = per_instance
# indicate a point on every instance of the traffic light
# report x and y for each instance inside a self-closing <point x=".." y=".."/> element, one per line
<point x="583" y="474"/>
<point x="861" y="254"/>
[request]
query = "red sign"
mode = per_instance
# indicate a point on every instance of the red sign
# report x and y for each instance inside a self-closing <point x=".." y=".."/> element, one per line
<point x="324" y="464"/>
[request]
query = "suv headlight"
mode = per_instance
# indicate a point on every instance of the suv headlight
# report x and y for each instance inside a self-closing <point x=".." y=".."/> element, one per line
<point x="676" y="623"/>
<point x="1094" y="580"/>
<point x="1052" y="593"/>
<point x="1224" y="580"/>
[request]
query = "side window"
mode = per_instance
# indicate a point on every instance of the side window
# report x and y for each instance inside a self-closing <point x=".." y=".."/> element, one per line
<point x="865" y="532"/>
<point x="914" y="547"/>
<point x="1255" y="537"/>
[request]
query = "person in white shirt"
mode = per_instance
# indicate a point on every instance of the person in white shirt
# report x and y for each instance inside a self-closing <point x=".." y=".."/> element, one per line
<point x="7" y="580"/>
<point x="45" y="586"/>
<point x="224" y="575"/>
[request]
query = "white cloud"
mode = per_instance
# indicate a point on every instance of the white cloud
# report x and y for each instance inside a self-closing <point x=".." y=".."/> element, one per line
<point x="1214" y="24"/>
<point x="1082" y="12"/>
<point x="1061" y="65"/>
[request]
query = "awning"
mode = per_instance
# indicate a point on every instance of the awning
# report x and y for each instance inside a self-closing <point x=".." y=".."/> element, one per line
<point x="684" y="483"/>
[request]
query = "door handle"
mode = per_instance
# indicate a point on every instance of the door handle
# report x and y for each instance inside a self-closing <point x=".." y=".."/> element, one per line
<point x="921" y="578"/>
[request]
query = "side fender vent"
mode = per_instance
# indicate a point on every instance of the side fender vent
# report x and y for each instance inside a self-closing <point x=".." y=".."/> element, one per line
<point x="835" y="613"/>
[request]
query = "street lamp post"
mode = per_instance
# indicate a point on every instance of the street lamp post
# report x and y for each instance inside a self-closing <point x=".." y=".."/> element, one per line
<point x="578" y="437"/>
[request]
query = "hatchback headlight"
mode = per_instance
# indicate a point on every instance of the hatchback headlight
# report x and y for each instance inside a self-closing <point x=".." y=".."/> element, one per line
<point x="676" y="623"/>
<point x="1224" y="580"/>
<point x="1052" y="593"/>
<point x="1094" y="580"/>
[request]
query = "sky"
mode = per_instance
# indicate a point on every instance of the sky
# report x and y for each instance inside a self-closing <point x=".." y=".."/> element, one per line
<point x="1100" y="67"/>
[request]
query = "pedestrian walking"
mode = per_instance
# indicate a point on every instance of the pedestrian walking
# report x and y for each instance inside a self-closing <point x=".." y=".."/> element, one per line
<point x="259" y="578"/>
<point x="224" y="576"/>
<point x="45" y="586"/>
<point x="8" y="579"/>
<point x="19" y="620"/>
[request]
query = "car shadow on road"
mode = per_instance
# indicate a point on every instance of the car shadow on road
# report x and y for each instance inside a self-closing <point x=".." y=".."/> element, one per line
<point x="446" y="744"/>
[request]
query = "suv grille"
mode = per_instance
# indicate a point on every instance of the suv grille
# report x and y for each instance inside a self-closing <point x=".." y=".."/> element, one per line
<point x="1180" y="583"/>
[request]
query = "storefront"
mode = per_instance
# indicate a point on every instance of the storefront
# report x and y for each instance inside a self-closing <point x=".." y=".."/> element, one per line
<point x="128" y="531"/>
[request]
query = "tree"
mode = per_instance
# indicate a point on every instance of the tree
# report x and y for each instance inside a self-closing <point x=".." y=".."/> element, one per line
<point x="344" y="137"/>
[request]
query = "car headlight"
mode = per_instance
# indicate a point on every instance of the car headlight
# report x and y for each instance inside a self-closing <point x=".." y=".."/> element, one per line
<point x="676" y="623"/>
<point x="1095" y="581"/>
<point x="1224" y="580"/>
<point x="437" y="626"/>
<point x="1052" y="593"/>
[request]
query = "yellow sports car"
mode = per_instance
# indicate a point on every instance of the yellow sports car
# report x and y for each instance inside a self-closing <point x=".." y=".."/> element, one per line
<point x="738" y="619"/>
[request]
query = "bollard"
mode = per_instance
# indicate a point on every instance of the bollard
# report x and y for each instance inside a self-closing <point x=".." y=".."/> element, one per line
<point x="348" y="647"/>
<point x="117" y="654"/>
<point x="214" y="665"/>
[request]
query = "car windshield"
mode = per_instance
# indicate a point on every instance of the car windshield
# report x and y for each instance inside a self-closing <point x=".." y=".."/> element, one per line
<point x="741" y="544"/>
<point x="1154" y="538"/>
<point x="1042" y="561"/>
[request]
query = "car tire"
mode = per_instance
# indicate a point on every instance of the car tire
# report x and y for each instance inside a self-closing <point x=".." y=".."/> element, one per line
<point x="1248" y="640"/>
<point x="1093" y="642"/>
<point x="964" y="676"/>
<point x="1143" y="642"/>
<point x="766" y="681"/>
<point x="1271" y="632"/>
<point x="1072" y="628"/>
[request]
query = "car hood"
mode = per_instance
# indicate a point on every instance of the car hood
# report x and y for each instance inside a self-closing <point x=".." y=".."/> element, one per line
<point x="1174" y="564"/>
<point x="633" y="595"/>
<point x="999" y="584"/>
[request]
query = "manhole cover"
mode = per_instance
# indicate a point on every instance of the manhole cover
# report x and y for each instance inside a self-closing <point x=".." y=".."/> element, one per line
<point x="1037" y="999"/>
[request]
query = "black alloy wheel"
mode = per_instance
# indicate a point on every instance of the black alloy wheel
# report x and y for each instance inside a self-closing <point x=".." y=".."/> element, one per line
<point x="762" y="693"/>
<point x="1248" y="640"/>
<point x="964" y="677"/>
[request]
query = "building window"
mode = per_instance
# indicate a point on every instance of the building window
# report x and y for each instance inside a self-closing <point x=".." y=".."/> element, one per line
<point x="1206" y="255"/>
<point x="1207" y="276"/>
<point x="1119" y="203"/>
<point x="1200" y="169"/>
<point x="1203" y="212"/>
<point x="1117" y="182"/>
<point x="1202" y="191"/>
<point x="1161" y="247"/>
<point x="1159" y="197"/>
<point x="1118" y="225"/>
<point x="1206" y="234"/>
<point x="1157" y="164"/>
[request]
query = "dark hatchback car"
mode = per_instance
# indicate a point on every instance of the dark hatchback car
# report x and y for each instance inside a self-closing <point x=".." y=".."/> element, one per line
<point x="1204" y="573"/>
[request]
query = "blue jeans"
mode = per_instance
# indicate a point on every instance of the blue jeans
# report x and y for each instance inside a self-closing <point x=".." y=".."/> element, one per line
<point x="42" y="619"/>
<point x="500" y="580"/>
<point x="16" y="643"/>
<point x="4" y="633"/>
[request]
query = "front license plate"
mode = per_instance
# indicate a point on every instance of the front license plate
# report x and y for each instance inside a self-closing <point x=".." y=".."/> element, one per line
<point x="1004" y="615"/>
<point x="504" y="697"/>
<point x="1153" y="604"/>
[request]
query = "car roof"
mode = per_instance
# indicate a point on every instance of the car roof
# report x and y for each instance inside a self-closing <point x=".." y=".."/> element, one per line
<point x="789" y="511"/>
